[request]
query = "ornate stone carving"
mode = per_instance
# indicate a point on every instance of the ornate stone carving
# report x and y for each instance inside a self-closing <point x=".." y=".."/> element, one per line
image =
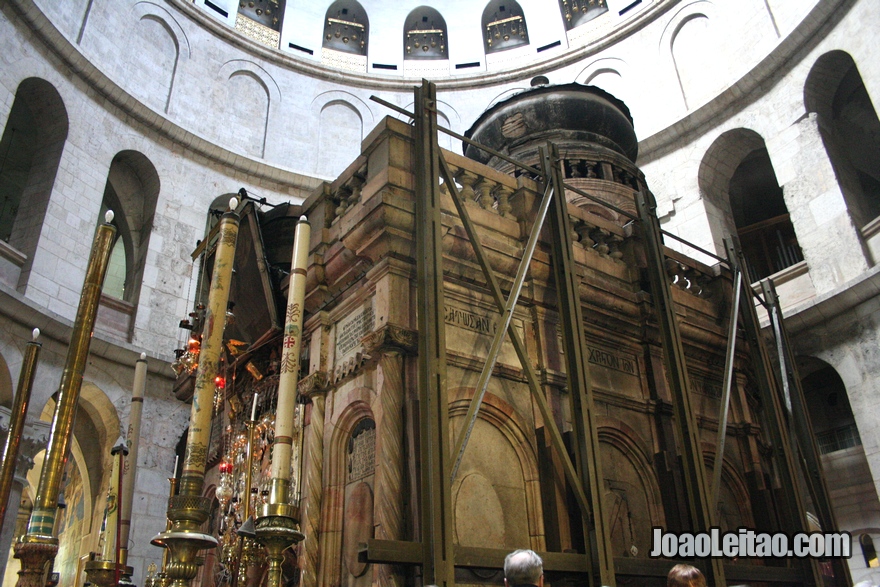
<point x="391" y="336"/>
<point x="313" y="383"/>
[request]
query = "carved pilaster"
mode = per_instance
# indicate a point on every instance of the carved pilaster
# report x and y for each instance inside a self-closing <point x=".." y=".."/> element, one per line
<point x="315" y="388"/>
<point x="390" y="343"/>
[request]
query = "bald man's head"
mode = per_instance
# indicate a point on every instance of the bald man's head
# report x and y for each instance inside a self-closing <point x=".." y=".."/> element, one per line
<point x="523" y="567"/>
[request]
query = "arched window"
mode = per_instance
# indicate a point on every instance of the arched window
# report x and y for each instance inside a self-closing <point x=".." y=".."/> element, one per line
<point x="850" y="130"/>
<point x="424" y="35"/>
<point x="761" y="216"/>
<point x="131" y="191"/>
<point x="30" y="151"/>
<point x="504" y="26"/>
<point x="578" y="12"/>
<point x="346" y="28"/>
<point x="269" y="13"/>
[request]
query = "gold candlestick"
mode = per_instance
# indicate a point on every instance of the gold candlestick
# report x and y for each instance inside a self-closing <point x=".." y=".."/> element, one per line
<point x="106" y="571"/>
<point x="130" y="470"/>
<point x="16" y="424"/>
<point x="38" y="545"/>
<point x="278" y="525"/>
<point x="189" y="509"/>
<point x="162" y="577"/>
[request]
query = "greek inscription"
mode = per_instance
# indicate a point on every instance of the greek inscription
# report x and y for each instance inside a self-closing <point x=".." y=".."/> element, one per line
<point x="362" y="460"/>
<point x="469" y="320"/>
<point x="350" y="331"/>
<point x="617" y="362"/>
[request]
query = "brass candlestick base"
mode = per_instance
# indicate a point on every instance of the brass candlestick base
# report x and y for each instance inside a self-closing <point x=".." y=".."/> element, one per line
<point x="184" y="540"/>
<point x="34" y="552"/>
<point x="103" y="573"/>
<point x="276" y="530"/>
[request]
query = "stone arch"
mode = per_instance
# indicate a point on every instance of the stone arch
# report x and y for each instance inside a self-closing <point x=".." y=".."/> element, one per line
<point x="131" y="191"/>
<point x="252" y="100"/>
<point x="333" y="506"/>
<point x="742" y="196"/>
<point x="850" y="131"/>
<point x="341" y="118"/>
<point x="492" y="480"/>
<point x="632" y="494"/>
<point x="700" y="12"/>
<point x="609" y="74"/>
<point x="97" y="427"/>
<point x="735" y="507"/>
<point x="149" y="11"/>
<point x="447" y="116"/>
<point x="37" y="129"/>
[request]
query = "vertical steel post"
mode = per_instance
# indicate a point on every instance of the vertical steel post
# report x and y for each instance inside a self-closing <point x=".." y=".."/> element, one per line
<point x="577" y="371"/>
<point x="702" y="515"/>
<point x="803" y="431"/>
<point x="435" y="502"/>
<point x="725" y="392"/>
<point x="794" y="515"/>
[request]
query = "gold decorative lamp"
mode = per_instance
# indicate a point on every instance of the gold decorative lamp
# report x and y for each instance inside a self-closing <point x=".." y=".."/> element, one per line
<point x="277" y="527"/>
<point x="188" y="510"/>
<point x="38" y="546"/>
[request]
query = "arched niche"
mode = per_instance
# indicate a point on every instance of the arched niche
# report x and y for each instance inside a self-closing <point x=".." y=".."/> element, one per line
<point x="579" y="12"/>
<point x="348" y="505"/>
<point x="424" y="35"/>
<point x="743" y="197"/>
<point x="30" y="151"/>
<point x="131" y="191"/>
<point x="498" y="474"/>
<point x="346" y="28"/>
<point x="503" y="25"/>
<point x="850" y="131"/>
<point x="831" y="415"/>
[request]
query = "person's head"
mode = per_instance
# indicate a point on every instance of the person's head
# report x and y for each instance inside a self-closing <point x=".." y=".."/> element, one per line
<point x="523" y="567"/>
<point x="685" y="576"/>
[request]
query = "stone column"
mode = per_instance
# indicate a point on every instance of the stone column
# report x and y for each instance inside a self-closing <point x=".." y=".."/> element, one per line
<point x="34" y="439"/>
<point x="829" y="239"/>
<point x="389" y="343"/>
<point x="315" y="388"/>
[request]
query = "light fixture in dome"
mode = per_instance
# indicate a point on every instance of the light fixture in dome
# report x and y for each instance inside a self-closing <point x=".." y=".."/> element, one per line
<point x="577" y="12"/>
<point x="345" y="28"/>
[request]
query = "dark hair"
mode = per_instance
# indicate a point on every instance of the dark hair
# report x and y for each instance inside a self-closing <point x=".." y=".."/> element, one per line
<point x="685" y="576"/>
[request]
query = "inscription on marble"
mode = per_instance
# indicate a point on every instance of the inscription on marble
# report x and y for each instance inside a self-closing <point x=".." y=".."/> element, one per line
<point x="362" y="455"/>
<point x="612" y="360"/>
<point x="350" y="330"/>
<point x="470" y="320"/>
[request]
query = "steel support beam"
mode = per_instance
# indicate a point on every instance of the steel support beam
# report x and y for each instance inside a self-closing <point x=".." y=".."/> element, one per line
<point x="803" y="431"/>
<point x="438" y="564"/>
<point x="558" y="444"/>
<point x="586" y="435"/>
<point x="702" y="515"/>
<point x="725" y="392"/>
<point x="794" y="518"/>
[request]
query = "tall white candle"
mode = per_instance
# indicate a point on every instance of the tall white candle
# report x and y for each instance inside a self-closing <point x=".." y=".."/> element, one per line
<point x="254" y="407"/>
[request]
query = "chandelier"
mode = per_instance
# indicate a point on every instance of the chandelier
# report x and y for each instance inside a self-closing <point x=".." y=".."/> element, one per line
<point x="348" y="29"/>
<point x="574" y="9"/>
<point x="503" y="29"/>
<point x="427" y="40"/>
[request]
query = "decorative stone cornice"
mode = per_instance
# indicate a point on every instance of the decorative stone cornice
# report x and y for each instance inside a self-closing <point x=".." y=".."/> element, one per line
<point x="313" y="384"/>
<point x="391" y="337"/>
